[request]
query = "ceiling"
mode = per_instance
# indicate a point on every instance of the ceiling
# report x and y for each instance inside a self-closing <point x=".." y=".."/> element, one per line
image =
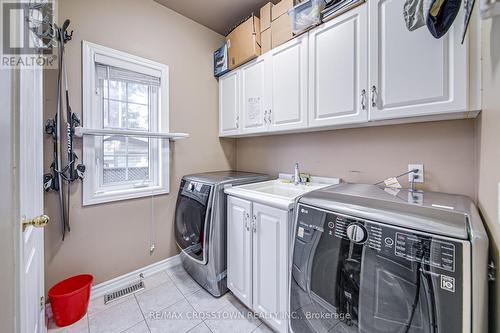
<point x="218" y="15"/>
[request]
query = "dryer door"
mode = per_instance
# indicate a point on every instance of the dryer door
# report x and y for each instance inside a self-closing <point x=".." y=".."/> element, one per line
<point x="192" y="218"/>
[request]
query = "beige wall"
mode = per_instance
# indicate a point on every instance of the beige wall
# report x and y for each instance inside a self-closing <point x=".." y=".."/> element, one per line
<point x="368" y="155"/>
<point x="489" y="150"/>
<point x="112" y="239"/>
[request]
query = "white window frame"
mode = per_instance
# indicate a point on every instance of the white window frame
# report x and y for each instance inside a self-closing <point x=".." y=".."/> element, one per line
<point x="93" y="193"/>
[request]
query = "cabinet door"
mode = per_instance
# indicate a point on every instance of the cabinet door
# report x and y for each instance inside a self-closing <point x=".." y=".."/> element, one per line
<point x="413" y="73"/>
<point x="253" y="103"/>
<point x="229" y="103"/>
<point x="287" y="75"/>
<point x="239" y="249"/>
<point x="338" y="72"/>
<point x="270" y="268"/>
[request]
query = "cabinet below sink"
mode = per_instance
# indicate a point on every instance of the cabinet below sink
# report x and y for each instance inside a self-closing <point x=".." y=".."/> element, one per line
<point x="259" y="232"/>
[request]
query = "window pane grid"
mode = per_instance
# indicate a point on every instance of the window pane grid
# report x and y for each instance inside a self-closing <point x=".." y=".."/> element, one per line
<point x="126" y="105"/>
<point x="123" y="101"/>
<point x="132" y="165"/>
<point x="127" y="112"/>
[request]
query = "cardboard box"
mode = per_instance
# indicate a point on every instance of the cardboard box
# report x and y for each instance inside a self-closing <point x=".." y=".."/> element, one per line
<point x="281" y="30"/>
<point x="265" y="17"/>
<point x="243" y="43"/>
<point x="281" y="8"/>
<point x="266" y="40"/>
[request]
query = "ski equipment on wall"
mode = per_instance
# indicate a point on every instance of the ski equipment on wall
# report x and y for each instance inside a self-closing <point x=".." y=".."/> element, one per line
<point x="54" y="181"/>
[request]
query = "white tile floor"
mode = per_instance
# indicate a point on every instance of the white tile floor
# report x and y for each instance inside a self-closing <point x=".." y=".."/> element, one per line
<point x="171" y="302"/>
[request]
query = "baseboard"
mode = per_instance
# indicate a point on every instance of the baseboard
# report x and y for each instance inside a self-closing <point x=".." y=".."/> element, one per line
<point x="119" y="282"/>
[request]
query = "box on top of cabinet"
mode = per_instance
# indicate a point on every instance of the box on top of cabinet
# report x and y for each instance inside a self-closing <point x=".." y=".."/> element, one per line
<point x="281" y="8"/>
<point x="281" y="30"/>
<point x="220" y="61"/>
<point x="265" y="17"/>
<point x="266" y="40"/>
<point x="243" y="43"/>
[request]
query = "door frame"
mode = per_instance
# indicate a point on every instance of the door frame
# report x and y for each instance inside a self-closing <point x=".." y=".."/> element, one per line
<point x="10" y="232"/>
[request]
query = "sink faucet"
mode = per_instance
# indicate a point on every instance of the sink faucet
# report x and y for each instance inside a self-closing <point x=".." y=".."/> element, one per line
<point x="296" y="176"/>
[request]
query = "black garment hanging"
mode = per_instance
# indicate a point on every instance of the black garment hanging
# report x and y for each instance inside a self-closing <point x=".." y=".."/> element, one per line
<point x="442" y="14"/>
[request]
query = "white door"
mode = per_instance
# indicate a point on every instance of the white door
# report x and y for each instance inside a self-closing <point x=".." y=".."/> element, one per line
<point x="31" y="269"/>
<point x="229" y="103"/>
<point x="338" y="72"/>
<point x="287" y="74"/>
<point x="239" y="249"/>
<point x="270" y="264"/>
<point x="412" y="73"/>
<point x="254" y="106"/>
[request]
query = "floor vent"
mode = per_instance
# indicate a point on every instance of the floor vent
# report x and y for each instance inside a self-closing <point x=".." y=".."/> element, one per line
<point x="108" y="298"/>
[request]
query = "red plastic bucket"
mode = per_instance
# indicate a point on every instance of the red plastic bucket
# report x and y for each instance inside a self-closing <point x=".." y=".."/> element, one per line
<point x="70" y="298"/>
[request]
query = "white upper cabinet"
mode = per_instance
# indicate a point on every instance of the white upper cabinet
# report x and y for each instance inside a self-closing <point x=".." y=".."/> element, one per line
<point x="338" y="72"/>
<point x="362" y="66"/>
<point x="229" y="103"/>
<point x="254" y="103"/>
<point x="287" y="76"/>
<point x="412" y="73"/>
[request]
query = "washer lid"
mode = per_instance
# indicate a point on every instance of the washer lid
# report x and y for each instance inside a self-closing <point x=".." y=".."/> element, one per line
<point x="225" y="177"/>
<point x="436" y="213"/>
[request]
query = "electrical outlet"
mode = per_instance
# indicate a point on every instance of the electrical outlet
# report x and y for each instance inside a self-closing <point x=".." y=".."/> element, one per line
<point x="416" y="198"/>
<point x="416" y="177"/>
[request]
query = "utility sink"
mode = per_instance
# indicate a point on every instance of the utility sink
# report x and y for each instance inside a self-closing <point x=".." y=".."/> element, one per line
<point x="280" y="193"/>
<point x="279" y="188"/>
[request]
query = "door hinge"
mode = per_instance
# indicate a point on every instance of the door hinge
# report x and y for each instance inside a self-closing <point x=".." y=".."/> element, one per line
<point x="42" y="303"/>
<point x="492" y="271"/>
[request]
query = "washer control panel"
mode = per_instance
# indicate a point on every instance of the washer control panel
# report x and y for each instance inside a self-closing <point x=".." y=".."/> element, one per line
<point x="431" y="252"/>
<point x="393" y="242"/>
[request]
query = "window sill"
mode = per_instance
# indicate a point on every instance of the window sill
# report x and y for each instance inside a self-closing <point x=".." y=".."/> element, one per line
<point x="125" y="194"/>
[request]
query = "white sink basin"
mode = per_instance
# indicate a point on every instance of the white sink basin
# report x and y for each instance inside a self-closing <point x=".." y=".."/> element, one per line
<point x="277" y="193"/>
<point x="280" y="189"/>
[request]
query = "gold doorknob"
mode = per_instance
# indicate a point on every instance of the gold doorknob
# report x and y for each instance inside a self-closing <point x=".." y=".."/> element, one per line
<point x="38" y="222"/>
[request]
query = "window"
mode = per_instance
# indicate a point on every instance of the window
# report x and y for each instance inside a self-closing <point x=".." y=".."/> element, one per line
<point x="127" y="93"/>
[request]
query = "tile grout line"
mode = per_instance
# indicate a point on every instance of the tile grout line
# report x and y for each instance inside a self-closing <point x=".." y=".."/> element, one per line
<point x="140" y="309"/>
<point x="187" y="300"/>
<point x="88" y="322"/>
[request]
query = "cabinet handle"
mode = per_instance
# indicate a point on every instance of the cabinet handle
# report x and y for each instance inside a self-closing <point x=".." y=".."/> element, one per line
<point x="363" y="99"/>
<point x="374" y="93"/>
<point x="254" y="224"/>
<point x="265" y="117"/>
<point x="247" y="226"/>
<point x="270" y="115"/>
<point x="237" y="121"/>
